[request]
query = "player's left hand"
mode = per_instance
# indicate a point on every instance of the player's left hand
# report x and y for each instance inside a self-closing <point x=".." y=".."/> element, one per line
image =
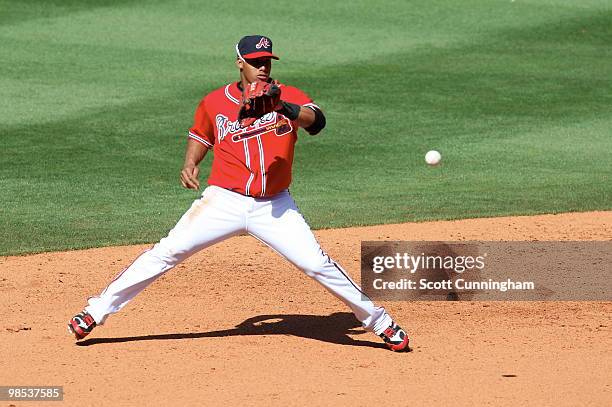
<point x="258" y="99"/>
<point x="189" y="177"/>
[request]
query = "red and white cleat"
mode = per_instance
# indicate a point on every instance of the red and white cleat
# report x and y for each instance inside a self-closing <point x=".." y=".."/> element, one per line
<point x="396" y="338"/>
<point x="81" y="325"/>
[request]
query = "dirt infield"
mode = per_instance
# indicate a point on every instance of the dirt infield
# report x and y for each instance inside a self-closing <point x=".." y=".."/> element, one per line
<point x="237" y="324"/>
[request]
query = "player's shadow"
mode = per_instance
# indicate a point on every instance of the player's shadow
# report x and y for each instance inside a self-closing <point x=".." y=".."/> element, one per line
<point x="334" y="328"/>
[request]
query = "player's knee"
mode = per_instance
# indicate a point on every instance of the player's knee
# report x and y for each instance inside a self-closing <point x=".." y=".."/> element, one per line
<point x="168" y="254"/>
<point x="313" y="265"/>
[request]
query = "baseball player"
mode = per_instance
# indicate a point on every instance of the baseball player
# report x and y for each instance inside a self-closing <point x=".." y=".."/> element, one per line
<point x="251" y="126"/>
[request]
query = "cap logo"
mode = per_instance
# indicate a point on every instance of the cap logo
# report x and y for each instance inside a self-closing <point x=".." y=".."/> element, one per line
<point x="263" y="42"/>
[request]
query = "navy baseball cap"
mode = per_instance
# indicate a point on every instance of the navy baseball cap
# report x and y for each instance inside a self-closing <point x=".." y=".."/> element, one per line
<point x="255" y="46"/>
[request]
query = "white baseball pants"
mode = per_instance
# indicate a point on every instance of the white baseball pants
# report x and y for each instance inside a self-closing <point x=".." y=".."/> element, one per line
<point x="216" y="216"/>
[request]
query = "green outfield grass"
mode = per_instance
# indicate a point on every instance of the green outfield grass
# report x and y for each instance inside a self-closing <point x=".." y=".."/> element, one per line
<point x="96" y="101"/>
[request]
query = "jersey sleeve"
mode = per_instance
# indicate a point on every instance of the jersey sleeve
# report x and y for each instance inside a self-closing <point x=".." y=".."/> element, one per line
<point x="297" y="96"/>
<point x="202" y="130"/>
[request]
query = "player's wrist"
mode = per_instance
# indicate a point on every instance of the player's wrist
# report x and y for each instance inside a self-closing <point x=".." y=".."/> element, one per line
<point x="289" y="110"/>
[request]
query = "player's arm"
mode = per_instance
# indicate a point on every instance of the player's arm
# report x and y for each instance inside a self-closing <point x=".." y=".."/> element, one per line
<point x="194" y="154"/>
<point x="306" y="117"/>
<point x="310" y="118"/>
<point x="200" y="139"/>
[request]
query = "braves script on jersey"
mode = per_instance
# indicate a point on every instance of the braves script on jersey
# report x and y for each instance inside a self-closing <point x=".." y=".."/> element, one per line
<point x="254" y="160"/>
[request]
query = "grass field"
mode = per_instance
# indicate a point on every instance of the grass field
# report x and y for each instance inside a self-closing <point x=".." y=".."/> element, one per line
<point x="96" y="101"/>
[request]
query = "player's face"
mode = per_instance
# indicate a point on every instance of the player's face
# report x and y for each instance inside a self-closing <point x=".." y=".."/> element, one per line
<point x="255" y="69"/>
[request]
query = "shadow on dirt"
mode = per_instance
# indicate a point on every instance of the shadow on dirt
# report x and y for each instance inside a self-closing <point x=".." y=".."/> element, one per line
<point x="333" y="328"/>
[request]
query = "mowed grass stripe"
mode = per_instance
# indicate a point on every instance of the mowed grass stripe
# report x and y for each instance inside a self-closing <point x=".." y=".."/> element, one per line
<point x="517" y="103"/>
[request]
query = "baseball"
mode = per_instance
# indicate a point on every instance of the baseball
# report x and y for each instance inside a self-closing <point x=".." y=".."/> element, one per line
<point x="433" y="157"/>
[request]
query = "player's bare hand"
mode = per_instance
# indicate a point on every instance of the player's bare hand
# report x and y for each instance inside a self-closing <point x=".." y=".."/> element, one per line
<point x="189" y="177"/>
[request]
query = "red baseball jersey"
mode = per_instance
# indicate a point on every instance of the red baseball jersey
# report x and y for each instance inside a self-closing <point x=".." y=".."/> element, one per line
<point x="256" y="160"/>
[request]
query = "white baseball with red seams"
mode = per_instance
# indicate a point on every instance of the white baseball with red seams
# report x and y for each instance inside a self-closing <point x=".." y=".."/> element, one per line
<point x="433" y="157"/>
<point x="247" y="193"/>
